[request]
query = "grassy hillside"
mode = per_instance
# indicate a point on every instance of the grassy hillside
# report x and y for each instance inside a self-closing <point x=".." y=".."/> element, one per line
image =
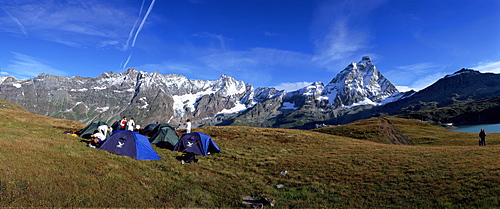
<point x="4" y="104"/>
<point x="392" y="130"/>
<point x="42" y="167"/>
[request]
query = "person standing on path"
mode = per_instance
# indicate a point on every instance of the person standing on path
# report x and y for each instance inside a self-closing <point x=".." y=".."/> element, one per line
<point x="482" y="137"/>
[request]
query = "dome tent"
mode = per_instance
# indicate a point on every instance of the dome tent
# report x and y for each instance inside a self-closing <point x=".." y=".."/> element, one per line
<point x="131" y="144"/>
<point x="146" y="131"/>
<point x="89" y="129"/>
<point x="164" y="136"/>
<point x="197" y="143"/>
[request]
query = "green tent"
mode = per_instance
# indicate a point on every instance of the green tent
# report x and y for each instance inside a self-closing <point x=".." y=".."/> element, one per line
<point x="89" y="130"/>
<point x="164" y="136"/>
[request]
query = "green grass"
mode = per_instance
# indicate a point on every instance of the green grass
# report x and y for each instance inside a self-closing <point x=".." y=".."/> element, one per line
<point x="42" y="167"/>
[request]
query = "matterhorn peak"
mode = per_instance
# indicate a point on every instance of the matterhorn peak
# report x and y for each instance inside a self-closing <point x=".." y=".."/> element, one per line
<point x="359" y="82"/>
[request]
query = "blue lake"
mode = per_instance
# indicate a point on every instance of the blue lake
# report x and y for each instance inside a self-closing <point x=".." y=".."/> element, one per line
<point x="490" y="128"/>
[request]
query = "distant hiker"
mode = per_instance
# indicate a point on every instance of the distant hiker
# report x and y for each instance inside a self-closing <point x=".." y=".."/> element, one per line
<point x="131" y="124"/>
<point x="482" y="136"/>
<point x="123" y="123"/>
<point x="97" y="139"/>
<point x="188" y="126"/>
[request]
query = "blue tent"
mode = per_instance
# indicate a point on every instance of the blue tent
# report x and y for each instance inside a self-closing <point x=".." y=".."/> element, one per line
<point x="130" y="144"/>
<point x="197" y="143"/>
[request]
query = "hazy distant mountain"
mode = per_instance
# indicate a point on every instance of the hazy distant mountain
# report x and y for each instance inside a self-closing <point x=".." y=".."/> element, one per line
<point x="359" y="91"/>
<point x="148" y="97"/>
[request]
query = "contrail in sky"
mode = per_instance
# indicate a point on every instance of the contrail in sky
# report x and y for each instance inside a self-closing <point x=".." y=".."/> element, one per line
<point x="135" y="24"/>
<point x="138" y="29"/>
<point x="143" y="21"/>
<point x="128" y="59"/>
<point x="17" y="21"/>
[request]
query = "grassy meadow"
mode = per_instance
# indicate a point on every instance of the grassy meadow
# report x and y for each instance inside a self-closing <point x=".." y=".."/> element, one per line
<point x="349" y="166"/>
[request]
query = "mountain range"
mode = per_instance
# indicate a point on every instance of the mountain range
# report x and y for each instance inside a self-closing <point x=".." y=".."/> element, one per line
<point x="358" y="91"/>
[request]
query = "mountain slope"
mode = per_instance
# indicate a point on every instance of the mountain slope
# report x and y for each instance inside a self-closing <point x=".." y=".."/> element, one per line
<point x="449" y="99"/>
<point x="4" y="104"/>
<point x="150" y="98"/>
<point x="475" y="112"/>
<point x="42" y="167"/>
<point x="360" y="85"/>
<point x="359" y="82"/>
<point x="461" y="87"/>
<point x="359" y="91"/>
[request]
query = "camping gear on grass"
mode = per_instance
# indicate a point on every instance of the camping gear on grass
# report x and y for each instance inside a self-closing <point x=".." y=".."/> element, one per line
<point x="89" y="130"/>
<point x="131" y="144"/>
<point x="164" y="136"/>
<point x="187" y="157"/>
<point x="197" y="143"/>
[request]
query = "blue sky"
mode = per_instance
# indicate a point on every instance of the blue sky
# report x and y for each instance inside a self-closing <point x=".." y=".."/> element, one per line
<point x="267" y="43"/>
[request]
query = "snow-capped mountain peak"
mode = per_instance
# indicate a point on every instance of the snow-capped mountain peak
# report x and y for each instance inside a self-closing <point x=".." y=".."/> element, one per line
<point x="358" y="82"/>
<point x="172" y="98"/>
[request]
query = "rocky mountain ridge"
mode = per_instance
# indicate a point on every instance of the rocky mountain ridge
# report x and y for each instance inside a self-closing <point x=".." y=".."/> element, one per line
<point x="355" y="93"/>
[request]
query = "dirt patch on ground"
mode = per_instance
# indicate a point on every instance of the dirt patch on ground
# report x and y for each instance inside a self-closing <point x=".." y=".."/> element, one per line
<point x="392" y="133"/>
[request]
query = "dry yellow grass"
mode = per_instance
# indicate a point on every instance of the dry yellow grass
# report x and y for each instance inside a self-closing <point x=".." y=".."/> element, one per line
<point x="42" y="167"/>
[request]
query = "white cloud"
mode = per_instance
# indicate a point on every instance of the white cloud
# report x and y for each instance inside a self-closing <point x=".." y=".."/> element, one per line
<point x="220" y="38"/>
<point x="336" y="40"/>
<point x="404" y="88"/>
<point x="421" y="75"/>
<point x="74" y="23"/>
<point x="415" y="76"/>
<point x="292" y="86"/>
<point x="26" y="67"/>
<point x="339" y="44"/>
<point x="489" y="67"/>
<point x="256" y="58"/>
<point x="267" y="33"/>
<point x="256" y="66"/>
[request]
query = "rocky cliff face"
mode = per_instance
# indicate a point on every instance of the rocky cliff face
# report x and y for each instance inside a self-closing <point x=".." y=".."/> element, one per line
<point x="358" y="84"/>
<point x="359" y="91"/>
<point x="465" y="97"/>
<point x="461" y="87"/>
<point x="148" y="97"/>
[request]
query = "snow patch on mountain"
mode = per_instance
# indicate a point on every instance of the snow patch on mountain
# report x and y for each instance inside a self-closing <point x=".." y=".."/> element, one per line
<point x="101" y="109"/>
<point x="187" y="101"/>
<point x="366" y="101"/>
<point x="240" y="107"/>
<point x="99" y="87"/>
